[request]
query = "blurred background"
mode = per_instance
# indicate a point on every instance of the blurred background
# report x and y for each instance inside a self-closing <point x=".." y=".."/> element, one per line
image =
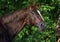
<point x="50" y="10"/>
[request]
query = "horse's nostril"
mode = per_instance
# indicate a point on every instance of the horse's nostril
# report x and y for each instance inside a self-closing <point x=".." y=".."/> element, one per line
<point x="41" y="24"/>
<point x="43" y="27"/>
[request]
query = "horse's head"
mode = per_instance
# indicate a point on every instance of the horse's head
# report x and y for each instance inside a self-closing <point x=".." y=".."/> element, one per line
<point x="36" y="17"/>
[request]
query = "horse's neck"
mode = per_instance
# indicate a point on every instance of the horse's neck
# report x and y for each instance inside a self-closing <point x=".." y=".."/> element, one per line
<point x="13" y="15"/>
<point x="14" y="22"/>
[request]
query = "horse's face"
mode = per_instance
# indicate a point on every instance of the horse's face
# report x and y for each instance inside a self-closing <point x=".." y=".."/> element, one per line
<point x="37" y="18"/>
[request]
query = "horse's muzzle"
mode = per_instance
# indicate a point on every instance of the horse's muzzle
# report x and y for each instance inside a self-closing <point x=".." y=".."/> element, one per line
<point x="41" y="26"/>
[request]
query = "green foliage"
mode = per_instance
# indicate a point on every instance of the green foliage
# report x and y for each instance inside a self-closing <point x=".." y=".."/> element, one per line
<point x="50" y="9"/>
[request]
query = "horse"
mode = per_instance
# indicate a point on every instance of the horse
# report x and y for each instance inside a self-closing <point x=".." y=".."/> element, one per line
<point x="13" y="22"/>
<point x="58" y="30"/>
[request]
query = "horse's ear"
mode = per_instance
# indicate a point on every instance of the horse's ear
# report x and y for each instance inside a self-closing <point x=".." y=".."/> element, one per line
<point x="31" y="4"/>
<point x="37" y="5"/>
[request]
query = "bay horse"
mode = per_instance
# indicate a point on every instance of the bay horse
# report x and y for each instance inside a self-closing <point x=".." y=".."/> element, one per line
<point x="13" y="22"/>
<point x="58" y="30"/>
